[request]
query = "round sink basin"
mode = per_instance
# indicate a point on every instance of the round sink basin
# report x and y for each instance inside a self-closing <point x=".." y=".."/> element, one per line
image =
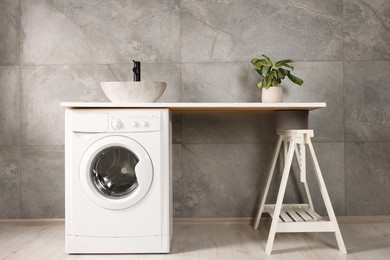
<point x="133" y="92"/>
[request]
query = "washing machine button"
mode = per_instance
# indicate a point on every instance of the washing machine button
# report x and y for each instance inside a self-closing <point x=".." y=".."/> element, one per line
<point x="144" y="124"/>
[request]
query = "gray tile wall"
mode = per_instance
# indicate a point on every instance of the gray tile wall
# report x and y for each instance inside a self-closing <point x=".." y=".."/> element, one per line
<point x="53" y="51"/>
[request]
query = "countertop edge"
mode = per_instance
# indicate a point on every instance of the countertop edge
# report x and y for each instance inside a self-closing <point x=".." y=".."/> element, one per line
<point x="201" y="105"/>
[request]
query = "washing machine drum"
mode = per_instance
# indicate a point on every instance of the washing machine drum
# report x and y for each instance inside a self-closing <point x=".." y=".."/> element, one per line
<point x="116" y="172"/>
<point x="113" y="171"/>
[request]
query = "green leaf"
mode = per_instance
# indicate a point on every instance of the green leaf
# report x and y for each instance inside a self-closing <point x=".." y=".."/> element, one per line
<point x="280" y="74"/>
<point x="282" y="63"/>
<point x="289" y="66"/>
<point x="269" y="62"/>
<point x="295" y="79"/>
<point x="274" y="82"/>
<point x="284" y="71"/>
<point x="260" y="84"/>
<point x="259" y="62"/>
<point x="258" y="70"/>
<point x="270" y="78"/>
<point x="264" y="83"/>
<point x="265" y="70"/>
<point x="254" y="60"/>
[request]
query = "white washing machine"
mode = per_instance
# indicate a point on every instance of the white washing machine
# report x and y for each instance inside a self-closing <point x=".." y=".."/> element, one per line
<point x="117" y="181"/>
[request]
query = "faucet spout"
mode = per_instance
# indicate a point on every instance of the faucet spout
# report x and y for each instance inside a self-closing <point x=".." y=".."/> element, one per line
<point x="137" y="70"/>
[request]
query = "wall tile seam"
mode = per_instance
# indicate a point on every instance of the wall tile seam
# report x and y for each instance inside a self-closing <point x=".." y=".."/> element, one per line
<point x="20" y="107"/>
<point x="295" y="61"/>
<point x="19" y="29"/>
<point x="229" y="143"/>
<point x="180" y="77"/>
<point x="245" y="62"/>
<point x="181" y="124"/>
<point x="178" y="63"/>
<point x="20" y="183"/>
<point x="91" y="64"/>
<point x="190" y="62"/>
<point x="20" y="103"/>
<point x="327" y="142"/>
<point x="342" y="32"/>
<point x="41" y="145"/>
<point x="8" y="66"/>
<point x="344" y="108"/>
<point x="367" y="141"/>
<point x="371" y="60"/>
<point x="186" y="62"/>
<point x="182" y="182"/>
<point x="265" y="142"/>
<point x="20" y="116"/>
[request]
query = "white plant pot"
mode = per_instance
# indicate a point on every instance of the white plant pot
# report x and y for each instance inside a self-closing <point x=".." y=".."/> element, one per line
<point x="272" y="95"/>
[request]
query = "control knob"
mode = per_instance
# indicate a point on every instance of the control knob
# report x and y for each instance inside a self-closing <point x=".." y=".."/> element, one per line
<point x="116" y="124"/>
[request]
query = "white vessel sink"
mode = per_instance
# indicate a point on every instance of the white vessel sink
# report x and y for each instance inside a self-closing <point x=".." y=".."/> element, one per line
<point x="133" y="92"/>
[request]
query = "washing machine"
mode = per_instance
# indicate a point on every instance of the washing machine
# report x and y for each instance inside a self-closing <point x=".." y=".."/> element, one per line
<point x="117" y="181"/>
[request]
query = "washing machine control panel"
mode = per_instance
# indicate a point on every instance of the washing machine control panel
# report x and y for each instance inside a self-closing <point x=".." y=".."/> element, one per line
<point x="135" y="121"/>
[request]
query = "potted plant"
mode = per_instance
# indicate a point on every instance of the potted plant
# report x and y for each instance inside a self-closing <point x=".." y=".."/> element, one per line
<point x="272" y="75"/>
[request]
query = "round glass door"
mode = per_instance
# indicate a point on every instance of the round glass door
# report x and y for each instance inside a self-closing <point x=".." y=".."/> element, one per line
<point x="116" y="172"/>
<point x="113" y="172"/>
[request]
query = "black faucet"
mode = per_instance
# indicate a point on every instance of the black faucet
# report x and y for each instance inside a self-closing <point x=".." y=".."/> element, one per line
<point x="137" y="70"/>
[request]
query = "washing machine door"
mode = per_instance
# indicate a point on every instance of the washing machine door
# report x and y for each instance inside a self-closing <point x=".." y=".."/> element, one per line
<point x="116" y="172"/>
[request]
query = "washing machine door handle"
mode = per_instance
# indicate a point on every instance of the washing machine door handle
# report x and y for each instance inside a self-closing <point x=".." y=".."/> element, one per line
<point x="144" y="173"/>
